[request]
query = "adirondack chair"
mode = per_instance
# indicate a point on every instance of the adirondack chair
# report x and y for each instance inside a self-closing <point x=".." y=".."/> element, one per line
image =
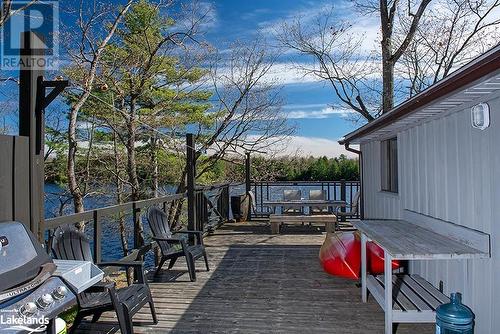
<point x="67" y="243"/>
<point x="317" y="195"/>
<point x="175" y="244"/>
<point x="353" y="209"/>
<point x="253" y="206"/>
<point x="292" y="195"/>
<point x="214" y="217"/>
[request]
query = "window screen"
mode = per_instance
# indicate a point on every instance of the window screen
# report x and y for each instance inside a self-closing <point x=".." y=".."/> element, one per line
<point x="389" y="163"/>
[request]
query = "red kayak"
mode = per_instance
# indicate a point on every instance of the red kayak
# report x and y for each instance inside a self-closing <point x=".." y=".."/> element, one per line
<point x="340" y="255"/>
<point x="376" y="261"/>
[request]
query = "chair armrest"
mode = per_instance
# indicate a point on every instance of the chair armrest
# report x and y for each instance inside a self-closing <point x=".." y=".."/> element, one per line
<point x="172" y="240"/>
<point x="199" y="234"/>
<point x="137" y="265"/>
<point x="189" y="232"/>
<point x="101" y="287"/>
<point x="121" y="264"/>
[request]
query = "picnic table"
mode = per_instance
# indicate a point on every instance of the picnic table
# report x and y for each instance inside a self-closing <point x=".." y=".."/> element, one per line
<point x="329" y="204"/>
<point x="327" y="217"/>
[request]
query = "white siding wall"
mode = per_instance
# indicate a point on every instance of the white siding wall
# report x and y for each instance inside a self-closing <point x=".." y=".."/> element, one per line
<point x="450" y="171"/>
<point x="377" y="203"/>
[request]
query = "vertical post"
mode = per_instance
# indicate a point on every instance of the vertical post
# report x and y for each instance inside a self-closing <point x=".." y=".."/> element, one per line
<point x="97" y="239"/>
<point x="363" y="268"/>
<point x="190" y="175"/>
<point x="247" y="172"/>
<point x="248" y="185"/>
<point x="388" y="292"/>
<point x="342" y="197"/>
<point x="361" y="199"/>
<point x="31" y="125"/>
<point x="138" y="233"/>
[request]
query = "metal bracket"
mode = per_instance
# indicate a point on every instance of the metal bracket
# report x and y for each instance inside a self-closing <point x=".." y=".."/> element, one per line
<point x="43" y="101"/>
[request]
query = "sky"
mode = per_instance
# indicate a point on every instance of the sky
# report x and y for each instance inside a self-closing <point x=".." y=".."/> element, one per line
<point x="308" y="103"/>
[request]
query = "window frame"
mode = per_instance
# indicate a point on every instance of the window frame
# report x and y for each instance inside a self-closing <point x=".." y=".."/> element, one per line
<point x="389" y="165"/>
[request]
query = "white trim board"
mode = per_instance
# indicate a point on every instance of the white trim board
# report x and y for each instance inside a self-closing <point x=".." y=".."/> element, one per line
<point x="467" y="236"/>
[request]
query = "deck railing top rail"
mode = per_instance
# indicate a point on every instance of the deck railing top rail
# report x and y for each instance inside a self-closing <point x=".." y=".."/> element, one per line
<point x="136" y="208"/>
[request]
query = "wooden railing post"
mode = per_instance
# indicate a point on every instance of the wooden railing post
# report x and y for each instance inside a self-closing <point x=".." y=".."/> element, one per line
<point x="342" y="197"/>
<point x="248" y="183"/>
<point x="97" y="238"/>
<point x="138" y="237"/>
<point x="190" y="175"/>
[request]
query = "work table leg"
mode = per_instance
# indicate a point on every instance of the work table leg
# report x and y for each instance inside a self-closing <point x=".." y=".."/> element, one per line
<point x="388" y="292"/>
<point x="364" y="293"/>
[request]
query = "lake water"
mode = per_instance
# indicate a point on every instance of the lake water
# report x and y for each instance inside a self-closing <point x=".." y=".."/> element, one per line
<point x="111" y="243"/>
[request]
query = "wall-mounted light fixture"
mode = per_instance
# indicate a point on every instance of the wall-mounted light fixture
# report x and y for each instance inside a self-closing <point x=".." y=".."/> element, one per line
<point x="480" y="116"/>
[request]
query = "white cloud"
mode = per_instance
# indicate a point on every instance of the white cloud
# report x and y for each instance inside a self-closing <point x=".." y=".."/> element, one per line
<point x="309" y="146"/>
<point x="324" y="112"/>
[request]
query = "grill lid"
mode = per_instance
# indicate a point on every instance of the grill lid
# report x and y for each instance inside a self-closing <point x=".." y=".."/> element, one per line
<point x="21" y="256"/>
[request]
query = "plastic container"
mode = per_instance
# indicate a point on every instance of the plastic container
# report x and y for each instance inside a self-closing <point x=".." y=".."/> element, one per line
<point x="454" y="317"/>
<point x="60" y="326"/>
<point x="240" y="207"/>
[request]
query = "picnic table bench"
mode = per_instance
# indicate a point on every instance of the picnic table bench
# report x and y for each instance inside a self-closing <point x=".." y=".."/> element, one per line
<point x="277" y="220"/>
<point x="328" y="218"/>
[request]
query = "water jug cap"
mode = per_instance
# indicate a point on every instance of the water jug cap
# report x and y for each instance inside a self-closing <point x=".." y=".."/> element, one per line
<point x="456" y="298"/>
<point x="455" y="312"/>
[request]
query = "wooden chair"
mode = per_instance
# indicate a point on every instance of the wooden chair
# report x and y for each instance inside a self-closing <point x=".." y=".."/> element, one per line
<point x="318" y="195"/>
<point x="175" y="244"/>
<point x="214" y="217"/>
<point x="67" y="243"/>
<point x="253" y="206"/>
<point x="292" y="195"/>
<point x="353" y="209"/>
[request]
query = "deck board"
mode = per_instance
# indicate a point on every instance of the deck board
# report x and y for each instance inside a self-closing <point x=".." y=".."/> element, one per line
<point x="259" y="283"/>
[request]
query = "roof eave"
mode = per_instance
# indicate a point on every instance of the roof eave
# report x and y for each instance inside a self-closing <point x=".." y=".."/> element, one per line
<point x="469" y="73"/>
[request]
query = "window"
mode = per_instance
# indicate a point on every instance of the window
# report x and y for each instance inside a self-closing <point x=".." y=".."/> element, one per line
<point x="389" y="156"/>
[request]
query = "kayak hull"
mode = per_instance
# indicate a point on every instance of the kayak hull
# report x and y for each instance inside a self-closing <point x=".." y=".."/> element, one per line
<point x="375" y="256"/>
<point x="340" y="256"/>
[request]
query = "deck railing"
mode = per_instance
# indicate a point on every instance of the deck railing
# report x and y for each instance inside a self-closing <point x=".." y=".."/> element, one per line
<point x="335" y="190"/>
<point x="204" y="196"/>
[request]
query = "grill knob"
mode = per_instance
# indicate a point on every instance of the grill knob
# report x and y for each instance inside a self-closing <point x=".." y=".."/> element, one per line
<point x="44" y="301"/>
<point x="60" y="292"/>
<point x="28" y="309"/>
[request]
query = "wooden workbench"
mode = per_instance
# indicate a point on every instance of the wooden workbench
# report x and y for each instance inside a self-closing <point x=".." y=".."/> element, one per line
<point x="404" y="240"/>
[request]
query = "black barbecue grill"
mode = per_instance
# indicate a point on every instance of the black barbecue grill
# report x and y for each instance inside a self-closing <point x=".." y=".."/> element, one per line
<point x="31" y="295"/>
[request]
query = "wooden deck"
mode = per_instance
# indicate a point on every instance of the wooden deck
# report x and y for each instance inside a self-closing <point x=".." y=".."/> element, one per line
<point x="260" y="283"/>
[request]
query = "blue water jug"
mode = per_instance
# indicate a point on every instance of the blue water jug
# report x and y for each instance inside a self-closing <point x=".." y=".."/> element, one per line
<point x="454" y="317"/>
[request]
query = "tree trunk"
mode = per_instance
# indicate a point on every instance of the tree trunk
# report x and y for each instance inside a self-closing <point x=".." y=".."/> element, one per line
<point x="154" y="160"/>
<point x="132" y="166"/>
<point x="387" y="85"/>
<point x="73" y="186"/>
<point x="175" y="210"/>
<point x="119" y="195"/>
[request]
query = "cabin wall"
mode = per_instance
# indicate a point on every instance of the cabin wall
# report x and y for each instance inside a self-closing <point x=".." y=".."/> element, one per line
<point x="377" y="203"/>
<point x="450" y="171"/>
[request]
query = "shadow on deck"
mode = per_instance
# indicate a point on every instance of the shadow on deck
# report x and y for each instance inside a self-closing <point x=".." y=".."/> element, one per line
<point x="260" y="283"/>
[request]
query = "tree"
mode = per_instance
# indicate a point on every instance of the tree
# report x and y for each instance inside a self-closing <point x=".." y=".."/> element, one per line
<point x="391" y="53"/>
<point x="86" y="59"/>
<point x="7" y="11"/>
<point x="148" y="78"/>
<point x="428" y="37"/>
<point x="246" y="112"/>
<point x="449" y="36"/>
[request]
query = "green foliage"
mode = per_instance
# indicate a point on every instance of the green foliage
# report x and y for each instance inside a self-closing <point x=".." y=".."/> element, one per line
<point x="298" y="169"/>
